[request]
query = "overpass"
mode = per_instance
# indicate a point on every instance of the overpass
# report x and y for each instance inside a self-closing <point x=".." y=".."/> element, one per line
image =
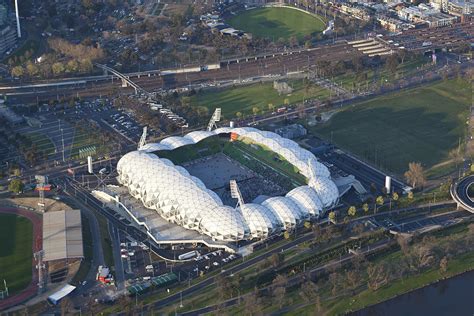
<point x="125" y="79"/>
<point x="460" y="193"/>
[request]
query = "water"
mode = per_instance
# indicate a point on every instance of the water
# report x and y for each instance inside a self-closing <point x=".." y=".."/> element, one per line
<point x="451" y="297"/>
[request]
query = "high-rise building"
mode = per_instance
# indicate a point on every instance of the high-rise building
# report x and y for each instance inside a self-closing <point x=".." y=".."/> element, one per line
<point x="8" y="34"/>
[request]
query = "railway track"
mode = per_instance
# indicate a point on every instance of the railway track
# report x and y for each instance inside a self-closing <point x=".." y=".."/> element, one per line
<point x="255" y="66"/>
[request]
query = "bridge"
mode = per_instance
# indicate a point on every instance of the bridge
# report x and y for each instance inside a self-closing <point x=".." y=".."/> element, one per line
<point x="125" y="79"/>
<point x="460" y="193"/>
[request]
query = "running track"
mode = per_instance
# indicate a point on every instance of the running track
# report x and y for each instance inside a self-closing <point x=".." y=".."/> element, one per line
<point x="32" y="289"/>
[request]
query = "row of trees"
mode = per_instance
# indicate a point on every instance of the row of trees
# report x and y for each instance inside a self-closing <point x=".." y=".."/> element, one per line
<point x="429" y="253"/>
<point x="50" y="69"/>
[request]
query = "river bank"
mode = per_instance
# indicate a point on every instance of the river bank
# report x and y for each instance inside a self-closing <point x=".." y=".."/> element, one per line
<point x="361" y="303"/>
<point x="453" y="296"/>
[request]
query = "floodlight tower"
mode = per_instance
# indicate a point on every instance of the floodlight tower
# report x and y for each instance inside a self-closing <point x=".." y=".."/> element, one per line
<point x="17" y="13"/>
<point x="235" y="193"/>
<point x="216" y="117"/>
<point x="41" y="182"/>
<point x="142" y="139"/>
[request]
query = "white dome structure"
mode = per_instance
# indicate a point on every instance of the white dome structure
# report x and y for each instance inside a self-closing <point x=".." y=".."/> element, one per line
<point x="184" y="199"/>
<point x="261" y="220"/>
<point x="307" y="199"/>
<point x="327" y="191"/>
<point x="286" y="210"/>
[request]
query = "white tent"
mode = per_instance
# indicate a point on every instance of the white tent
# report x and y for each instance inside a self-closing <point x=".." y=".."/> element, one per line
<point x="64" y="291"/>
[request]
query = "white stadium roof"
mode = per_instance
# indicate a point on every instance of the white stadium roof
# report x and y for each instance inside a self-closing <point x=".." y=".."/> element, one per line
<point x="183" y="199"/>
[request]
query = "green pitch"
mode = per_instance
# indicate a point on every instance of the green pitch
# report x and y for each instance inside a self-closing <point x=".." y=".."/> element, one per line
<point x="260" y="95"/>
<point x="277" y="23"/>
<point x="16" y="235"/>
<point x="421" y="124"/>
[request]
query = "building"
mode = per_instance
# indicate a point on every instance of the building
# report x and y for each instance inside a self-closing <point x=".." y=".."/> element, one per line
<point x="440" y="19"/>
<point x="291" y="131"/>
<point x="9" y="115"/>
<point x="184" y="200"/>
<point x="392" y="24"/>
<point x="460" y="8"/>
<point x="7" y="38"/>
<point x="426" y="14"/>
<point x="62" y="235"/>
<point x="356" y="11"/>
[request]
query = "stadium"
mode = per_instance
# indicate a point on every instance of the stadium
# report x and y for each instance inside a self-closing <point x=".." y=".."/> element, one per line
<point x="187" y="180"/>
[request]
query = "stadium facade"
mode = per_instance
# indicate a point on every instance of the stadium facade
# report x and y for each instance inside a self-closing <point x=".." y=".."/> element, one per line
<point x="183" y="199"/>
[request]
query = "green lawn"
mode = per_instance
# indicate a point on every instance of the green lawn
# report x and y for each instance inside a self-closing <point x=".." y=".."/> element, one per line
<point x="245" y="148"/>
<point x="380" y="75"/>
<point x="244" y="98"/>
<point x="16" y="234"/>
<point x="42" y="142"/>
<point x="421" y="124"/>
<point x="277" y="23"/>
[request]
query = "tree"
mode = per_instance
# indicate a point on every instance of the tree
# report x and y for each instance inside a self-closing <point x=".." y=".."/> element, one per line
<point x="32" y="69"/>
<point x="365" y="207"/>
<point x="57" y="68"/>
<point x="403" y="241"/>
<point x="443" y="265"/>
<point x="332" y="217"/>
<point x="17" y="71"/>
<point x="279" y="289"/>
<point x="277" y="259"/>
<point x="415" y="174"/>
<point x="286" y="235"/>
<point x="352" y="280"/>
<point x="255" y="110"/>
<point x="456" y="155"/>
<point x="392" y="63"/>
<point x="395" y="196"/>
<point x="378" y="201"/>
<point x="308" y="291"/>
<point x="252" y="303"/>
<point x="377" y="276"/>
<point x="352" y="211"/>
<point x="15" y="186"/>
<point x="238" y="115"/>
<point x="307" y="224"/>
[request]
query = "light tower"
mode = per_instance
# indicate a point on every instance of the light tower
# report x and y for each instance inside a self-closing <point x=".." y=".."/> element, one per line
<point x="235" y="193"/>
<point x="216" y="117"/>
<point x="17" y="13"/>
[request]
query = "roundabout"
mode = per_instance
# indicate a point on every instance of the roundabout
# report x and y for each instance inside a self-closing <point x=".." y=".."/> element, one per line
<point x="460" y="192"/>
<point x="278" y="22"/>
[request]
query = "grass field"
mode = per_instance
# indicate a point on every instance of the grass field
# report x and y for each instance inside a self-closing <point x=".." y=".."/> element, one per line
<point x="42" y="142"/>
<point x="16" y="234"/>
<point x="379" y="76"/>
<point x="244" y="98"/>
<point x="277" y="23"/>
<point x="422" y="124"/>
<point x="240" y="151"/>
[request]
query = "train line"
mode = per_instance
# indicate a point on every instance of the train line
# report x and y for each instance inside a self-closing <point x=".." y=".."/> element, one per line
<point x="235" y="70"/>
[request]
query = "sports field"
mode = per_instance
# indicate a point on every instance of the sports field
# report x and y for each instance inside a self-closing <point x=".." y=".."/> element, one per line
<point x="275" y="23"/>
<point x="16" y="235"/>
<point x="244" y="151"/>
<point x="244" y="98"/>
<point x="421" y="124"/>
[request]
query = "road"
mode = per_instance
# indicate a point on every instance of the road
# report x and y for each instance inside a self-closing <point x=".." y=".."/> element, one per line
<point x="460" y="193"/>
